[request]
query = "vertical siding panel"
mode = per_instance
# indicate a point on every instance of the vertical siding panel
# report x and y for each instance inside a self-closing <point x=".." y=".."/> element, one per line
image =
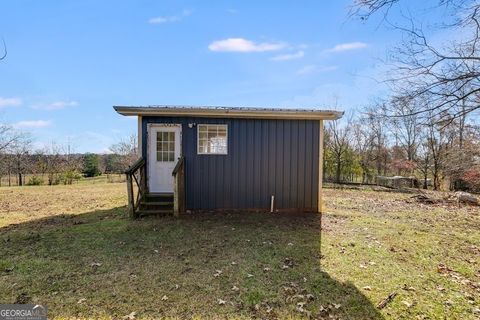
<point x="265" y="160"/>
<point x="287" y="151"/>
<point x="243" y="161"/>
<point x="301" y="163"/>
<point x="250" y="164"/>
<point x="311" y="162"/>
<point x="227" y="170"/>
<point x="307" y="164"/>
<point x="294" y="172"/>
<point x="257" y="175"/>
<point x="279" y="167"/>
<point x="272" y="156"/>
<point x="232" y="139"/>
<point x="315" y="164"/>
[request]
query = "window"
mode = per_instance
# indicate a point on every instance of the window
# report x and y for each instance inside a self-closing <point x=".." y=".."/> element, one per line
<point x="212" y="138"/>
<point x="165" y="146"/>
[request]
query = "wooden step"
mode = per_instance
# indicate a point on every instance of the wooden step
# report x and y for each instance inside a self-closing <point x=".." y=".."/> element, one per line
<point x="158" y="197"/>
<point x="157" y="203"/>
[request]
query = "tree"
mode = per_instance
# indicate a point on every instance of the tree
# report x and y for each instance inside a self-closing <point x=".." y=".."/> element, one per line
<point x="124" y="154"/>
<point x="8" y="136"/>
<point x="91" y="165"/>
<point x="447" y="73"/>
<point x="436" y="143"/>
<point x="20" y="150"/>
<point x="339" y="143"/>
<point x="405" y="125"/>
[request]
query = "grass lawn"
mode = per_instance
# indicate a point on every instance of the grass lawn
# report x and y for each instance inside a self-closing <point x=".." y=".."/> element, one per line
<point x="73" y="249"/>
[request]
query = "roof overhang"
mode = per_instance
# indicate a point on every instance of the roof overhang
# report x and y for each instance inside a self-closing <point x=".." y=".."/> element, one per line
<point x="229" y="112"/>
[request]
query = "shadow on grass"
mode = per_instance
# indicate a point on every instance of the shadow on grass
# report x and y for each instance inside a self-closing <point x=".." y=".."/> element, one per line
<point x="101" y="264"/>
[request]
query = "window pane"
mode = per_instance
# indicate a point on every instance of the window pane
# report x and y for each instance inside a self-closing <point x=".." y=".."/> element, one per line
<point x="222" y="132"/>
<point x="212" y="139"/>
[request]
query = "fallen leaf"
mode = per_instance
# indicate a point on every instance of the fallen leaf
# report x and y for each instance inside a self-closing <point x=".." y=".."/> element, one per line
<point x="337" y="306"/>
<point x="217" y="273"/>
<point x="368" y="288"/>
<point x="266" y="269"/>
<point x="249" y="275"/>
<point x="156" y="251"/>
<point x="235" y="288"/>
<point x="95" y="264"/>
<point x="234" y="263"/>
<point x="82" y="300"/>
<point x="363" y="266"/>
<point x="164" y="298"/>
<point x="408" y="304"/>
<point x="407" y="288"/>
<point x="130" y="316"/>
<point x="221" y="302"/>
<point x="290" y="244"/>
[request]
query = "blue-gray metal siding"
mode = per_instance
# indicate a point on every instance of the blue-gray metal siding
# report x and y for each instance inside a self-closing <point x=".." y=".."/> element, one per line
<point x="265" y="158"/>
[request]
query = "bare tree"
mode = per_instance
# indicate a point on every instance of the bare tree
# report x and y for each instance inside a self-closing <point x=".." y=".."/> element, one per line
<point x="405" y="125"/>
<point x="375" y="120"/>
<point x="20" y="151"/>
<point x="447" y="73"/>
<point x="124" y="153"/>
<point x="8" y="136"/>
<point x="339" y="143"/>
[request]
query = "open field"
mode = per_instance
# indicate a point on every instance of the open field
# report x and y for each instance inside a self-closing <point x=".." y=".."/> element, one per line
<point x="73" y="249"/>
<point x="6" y="181"/>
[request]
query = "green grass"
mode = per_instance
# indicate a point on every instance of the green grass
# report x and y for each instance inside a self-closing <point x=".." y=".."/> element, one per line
<point x="74" y="249"/>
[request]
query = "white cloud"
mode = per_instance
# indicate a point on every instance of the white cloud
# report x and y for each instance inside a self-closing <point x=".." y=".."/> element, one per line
<point x="33" y="124"/>
<point x="313" y="69"/>
<point x="170" y="19"/>
<point x="348" y="46"/>
<point x="55" y="105"/>
<point x="244" y="45"/>
<point x="289" y="56"/>
<point x="10" y="102"/>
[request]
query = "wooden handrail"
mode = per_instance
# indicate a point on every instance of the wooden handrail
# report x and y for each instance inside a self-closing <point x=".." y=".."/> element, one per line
<point x="178" y="166"/>
<point x="134" y="167"/>
<point x="136" y="173"/>
<point x="178" y="174"/>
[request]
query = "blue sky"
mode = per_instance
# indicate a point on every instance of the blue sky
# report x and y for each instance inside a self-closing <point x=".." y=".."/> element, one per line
<point x="69" y="61"/>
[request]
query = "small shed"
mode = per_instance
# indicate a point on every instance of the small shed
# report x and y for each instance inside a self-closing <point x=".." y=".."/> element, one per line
<point x="226" y="158"/>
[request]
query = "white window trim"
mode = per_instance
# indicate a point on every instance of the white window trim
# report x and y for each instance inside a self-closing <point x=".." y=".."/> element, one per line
<point x="198" y="139"/>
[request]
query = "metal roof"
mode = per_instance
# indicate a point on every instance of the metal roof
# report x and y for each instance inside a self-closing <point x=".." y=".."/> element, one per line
<point x="229" y="112"/>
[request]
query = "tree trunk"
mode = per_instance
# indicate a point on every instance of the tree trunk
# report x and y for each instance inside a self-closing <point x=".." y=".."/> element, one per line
<point x="338" y="171"/>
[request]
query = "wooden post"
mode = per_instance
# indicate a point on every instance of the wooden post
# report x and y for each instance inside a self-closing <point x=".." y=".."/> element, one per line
<point x="139" y="137"/>
<point x="176" y="209"/>
<point x="131" y="200"/>
<point x="320" y="168"/>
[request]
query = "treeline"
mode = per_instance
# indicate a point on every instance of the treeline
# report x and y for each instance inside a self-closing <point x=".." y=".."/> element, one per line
<point x="21" y="164"/>
<point x="391" y="139"/>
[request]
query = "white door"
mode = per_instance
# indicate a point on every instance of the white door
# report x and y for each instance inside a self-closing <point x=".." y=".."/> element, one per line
<point x="164" y="149"/>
